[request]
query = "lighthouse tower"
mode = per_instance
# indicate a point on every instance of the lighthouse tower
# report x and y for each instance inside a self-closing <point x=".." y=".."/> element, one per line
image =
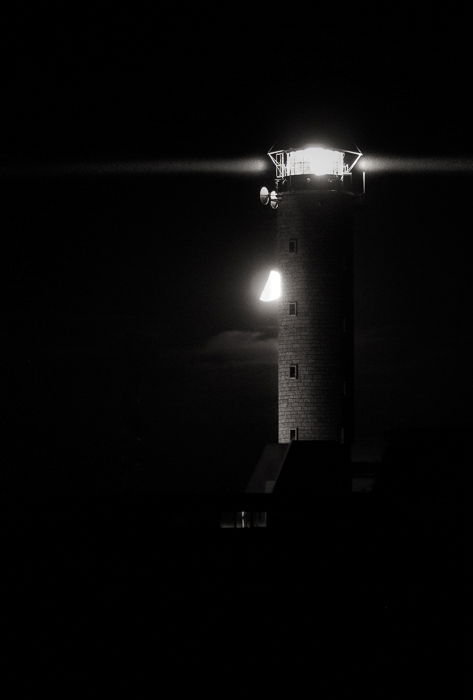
<point x="314" y="271"/>
<point x="312" y="283"/>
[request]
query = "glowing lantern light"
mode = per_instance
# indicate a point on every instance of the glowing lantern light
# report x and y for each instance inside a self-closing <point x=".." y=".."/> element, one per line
<point x="272" y="288"/>
<point x="315" y="161"/>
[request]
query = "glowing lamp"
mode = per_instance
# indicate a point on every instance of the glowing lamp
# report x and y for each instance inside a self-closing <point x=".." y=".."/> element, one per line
<point x="272" y="288"/>
<point x="314" y="160"/>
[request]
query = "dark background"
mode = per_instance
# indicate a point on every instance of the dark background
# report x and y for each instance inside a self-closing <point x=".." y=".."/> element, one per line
<point x="137" y="354"/>
<point x="138" y="361"/>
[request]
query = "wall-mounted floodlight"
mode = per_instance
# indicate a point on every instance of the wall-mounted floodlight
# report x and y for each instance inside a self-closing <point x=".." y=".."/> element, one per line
<point x="272" y="288"/>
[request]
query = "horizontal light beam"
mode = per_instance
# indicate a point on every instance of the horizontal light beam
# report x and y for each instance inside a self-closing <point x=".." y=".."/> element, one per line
<point x="404" y="164"/>
<point x="198" y="166"/>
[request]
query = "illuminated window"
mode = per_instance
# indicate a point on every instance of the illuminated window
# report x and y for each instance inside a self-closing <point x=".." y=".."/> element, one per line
<point x="294" y="371"/>
<point x="293" y="245"/>
<point x="293" y="308"/>
<point x="293" y="434"/>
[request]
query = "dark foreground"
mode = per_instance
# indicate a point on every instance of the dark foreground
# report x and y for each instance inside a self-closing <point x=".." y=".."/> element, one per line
<point x="101" y="598"/>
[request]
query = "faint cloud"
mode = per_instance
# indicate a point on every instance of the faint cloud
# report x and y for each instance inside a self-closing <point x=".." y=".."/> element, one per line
<point x="240" y="348"/>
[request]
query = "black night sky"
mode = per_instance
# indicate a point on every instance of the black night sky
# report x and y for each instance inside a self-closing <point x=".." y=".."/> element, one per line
<point x="139" y="367"/>
<point x="138" y="353"/>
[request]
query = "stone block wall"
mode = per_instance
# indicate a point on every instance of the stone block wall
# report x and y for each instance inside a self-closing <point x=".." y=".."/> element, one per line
<point x="317" y="340"/>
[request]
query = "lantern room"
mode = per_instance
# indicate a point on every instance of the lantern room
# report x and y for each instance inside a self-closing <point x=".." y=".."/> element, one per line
<point x="313" y="161"/>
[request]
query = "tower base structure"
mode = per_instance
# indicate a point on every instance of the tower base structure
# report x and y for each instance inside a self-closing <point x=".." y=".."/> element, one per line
<point x="303" y="468"/>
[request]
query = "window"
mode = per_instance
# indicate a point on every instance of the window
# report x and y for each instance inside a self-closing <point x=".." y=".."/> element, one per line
<point x="294" y="371"/>
<point x="293" y="245"/>
<point x="293" y="308"/>
<point x="293" y="434"/>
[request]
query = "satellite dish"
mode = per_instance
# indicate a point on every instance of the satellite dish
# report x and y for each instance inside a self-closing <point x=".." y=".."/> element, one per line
<point x="264" y="195"/>
<point x="274" y="199"/>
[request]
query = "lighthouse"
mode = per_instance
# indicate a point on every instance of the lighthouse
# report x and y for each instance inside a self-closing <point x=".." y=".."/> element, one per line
<point x="310" y="207"/>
